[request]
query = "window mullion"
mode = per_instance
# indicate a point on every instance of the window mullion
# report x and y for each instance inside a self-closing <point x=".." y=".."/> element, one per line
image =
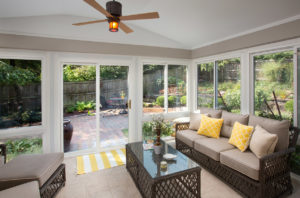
<point x="166" y="88"/>
<point x="215" y="84"/>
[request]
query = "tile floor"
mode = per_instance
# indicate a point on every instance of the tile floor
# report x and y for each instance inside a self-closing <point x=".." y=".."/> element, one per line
<point x="116" y="183"/>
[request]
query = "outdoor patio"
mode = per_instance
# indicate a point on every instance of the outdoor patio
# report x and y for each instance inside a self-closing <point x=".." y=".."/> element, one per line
<point x="112" y="128"/>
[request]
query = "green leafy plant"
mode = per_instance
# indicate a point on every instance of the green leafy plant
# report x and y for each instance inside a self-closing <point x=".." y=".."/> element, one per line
<point x="80" y="106"/>
<point x="23" y="146"/>
<point x="183" y="100"/>
<point x="70" y="109"/>
<point x="289" y="106"/>
<point x="171" y="101"/>
<point x="160" y="101"/>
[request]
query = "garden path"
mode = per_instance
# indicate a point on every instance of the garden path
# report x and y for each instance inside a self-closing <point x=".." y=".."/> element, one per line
<point x="112" y="129"/>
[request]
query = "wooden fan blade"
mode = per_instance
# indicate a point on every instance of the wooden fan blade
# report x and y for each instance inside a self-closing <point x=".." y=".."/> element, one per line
<point x="125" y="28"/>
<point x="89" y="22"/>
<point x="98" y="7"/>
<point x="150" y="15"/>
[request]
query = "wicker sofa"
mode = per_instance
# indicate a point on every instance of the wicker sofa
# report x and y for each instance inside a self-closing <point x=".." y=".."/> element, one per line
<point x="250" y="176"/>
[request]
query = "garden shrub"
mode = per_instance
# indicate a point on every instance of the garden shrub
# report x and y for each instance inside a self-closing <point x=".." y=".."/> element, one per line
<point x="289" y="106"/>
<point x="183" y="100"/>
<point x="160" y="101"/>
<point x="23" y="146"/>
<point x="80" y="106"/>
<point x="171" y="101"/>
<point x="31" y="117"/>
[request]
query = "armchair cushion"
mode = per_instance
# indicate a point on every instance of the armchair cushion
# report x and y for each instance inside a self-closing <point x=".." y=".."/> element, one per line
<point x="212" y="147"/>
<point x="30" y="189"/>
<point x="280" y="128"/>
<point x="244" y="162"/>
<point x="188" y="136"/>
<point x="26" y="168"/>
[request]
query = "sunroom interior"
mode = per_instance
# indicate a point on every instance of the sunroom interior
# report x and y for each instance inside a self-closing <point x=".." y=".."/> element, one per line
<point x="85" y="90"/>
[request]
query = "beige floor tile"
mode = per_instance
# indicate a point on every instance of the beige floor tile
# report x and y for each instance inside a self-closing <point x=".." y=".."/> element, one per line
<point x="117" y="183"/>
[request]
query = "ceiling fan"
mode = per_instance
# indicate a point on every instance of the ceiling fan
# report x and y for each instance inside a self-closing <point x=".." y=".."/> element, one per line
<point x="114" y="16"/>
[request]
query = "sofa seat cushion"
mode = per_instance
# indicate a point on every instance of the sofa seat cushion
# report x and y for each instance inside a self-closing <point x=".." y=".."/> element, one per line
<point x="189" y="136"/>
<point x="212" y="147"/>
<point x="212" y="112"/>
<point x="26" y="168"/>
<point x="244" y="162"/>
<point x="280" y="128"/>
<point x="229" y="120"/>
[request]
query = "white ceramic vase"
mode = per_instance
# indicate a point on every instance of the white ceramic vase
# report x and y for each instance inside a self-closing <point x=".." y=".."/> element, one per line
<point x="157" y="149"/>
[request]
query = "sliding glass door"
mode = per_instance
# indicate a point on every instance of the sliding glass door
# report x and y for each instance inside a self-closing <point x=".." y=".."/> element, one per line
<point x="95" y="106"/>
<point x="113" y="105"/>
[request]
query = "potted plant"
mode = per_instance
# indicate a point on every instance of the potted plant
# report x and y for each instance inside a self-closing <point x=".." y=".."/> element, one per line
<point x="158" y="121"/>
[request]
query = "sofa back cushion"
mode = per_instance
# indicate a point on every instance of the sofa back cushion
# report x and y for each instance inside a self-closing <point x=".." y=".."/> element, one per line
<point x="229" y="120"/>
<point x="280" y="128"/>
<point x="214" y="113"/>
<point x="195" y="119"/>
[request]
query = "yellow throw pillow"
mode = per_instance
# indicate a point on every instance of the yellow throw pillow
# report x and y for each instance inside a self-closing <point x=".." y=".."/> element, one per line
<point x="210" y="127"/>
<point x="240" y="136"/>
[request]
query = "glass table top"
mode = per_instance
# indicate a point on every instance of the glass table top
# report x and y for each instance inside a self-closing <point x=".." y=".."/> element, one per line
<point x="151" y="161"/>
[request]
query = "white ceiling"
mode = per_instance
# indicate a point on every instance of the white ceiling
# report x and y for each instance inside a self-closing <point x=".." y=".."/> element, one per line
<point x="182" y="24"/>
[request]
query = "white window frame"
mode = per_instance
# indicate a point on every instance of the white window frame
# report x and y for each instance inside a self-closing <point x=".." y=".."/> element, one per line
<point x="166" y="63"/>
<point x="214" y="59"/>
<point x="31" y="131"/>
<point x="95" y="60"/>
<point x="252" y="72"/>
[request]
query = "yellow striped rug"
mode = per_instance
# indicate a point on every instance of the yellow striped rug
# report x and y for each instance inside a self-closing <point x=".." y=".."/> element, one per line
<point x="98" y="161"/>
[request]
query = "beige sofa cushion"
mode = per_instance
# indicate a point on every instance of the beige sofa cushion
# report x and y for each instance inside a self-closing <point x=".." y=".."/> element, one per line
<point x="280" y="128"/>
<point x="212" y="112"/>
<point x="188" y="136"/>
<point x="195" y="119"/>
<point x="244" y="162"/>
<point x="262" y="142"/>
<point x="229" y="120"/>
<point x="26" y="168"/>
<point x="27" y="190"/>
<point x="212" y="147"/>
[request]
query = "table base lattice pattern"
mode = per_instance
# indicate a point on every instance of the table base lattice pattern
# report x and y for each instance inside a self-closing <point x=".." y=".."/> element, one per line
<point x="179" y="185"/>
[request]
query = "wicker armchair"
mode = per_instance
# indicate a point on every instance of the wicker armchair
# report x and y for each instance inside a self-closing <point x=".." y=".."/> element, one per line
<point x="19" y="171"/>
<point x="274" y="174"/>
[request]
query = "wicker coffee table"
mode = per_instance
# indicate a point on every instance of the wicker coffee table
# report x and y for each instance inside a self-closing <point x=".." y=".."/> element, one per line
<point x="181" y="178"/>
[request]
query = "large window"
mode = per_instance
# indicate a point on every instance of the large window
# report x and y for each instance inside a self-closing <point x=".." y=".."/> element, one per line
<point x="155" y="89"/>
<point x="227" y="94"/>
<point x="274" y="90"/>
<point x="205" y="89"/>
<point x="176" y="88"/>
<point x="229" y="86"/>
<point x="20" y="93"/>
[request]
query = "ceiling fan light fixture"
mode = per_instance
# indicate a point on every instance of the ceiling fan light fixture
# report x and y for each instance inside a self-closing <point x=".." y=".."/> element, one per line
<point x="113" y="25"/>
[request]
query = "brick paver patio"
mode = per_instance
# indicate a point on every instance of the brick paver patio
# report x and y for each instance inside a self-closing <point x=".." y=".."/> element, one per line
<point x="84" y="131"/>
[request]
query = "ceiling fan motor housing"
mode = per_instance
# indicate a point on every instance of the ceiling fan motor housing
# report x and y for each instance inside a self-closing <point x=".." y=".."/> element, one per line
<point x="114" y="8"/>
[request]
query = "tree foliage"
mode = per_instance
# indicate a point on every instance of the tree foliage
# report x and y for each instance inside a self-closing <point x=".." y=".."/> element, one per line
<point x="80" y="73"/>
<point x="19" y="74"/>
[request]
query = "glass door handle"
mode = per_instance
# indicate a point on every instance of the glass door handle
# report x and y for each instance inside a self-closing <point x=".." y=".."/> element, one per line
<point x="129" y="104"/>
